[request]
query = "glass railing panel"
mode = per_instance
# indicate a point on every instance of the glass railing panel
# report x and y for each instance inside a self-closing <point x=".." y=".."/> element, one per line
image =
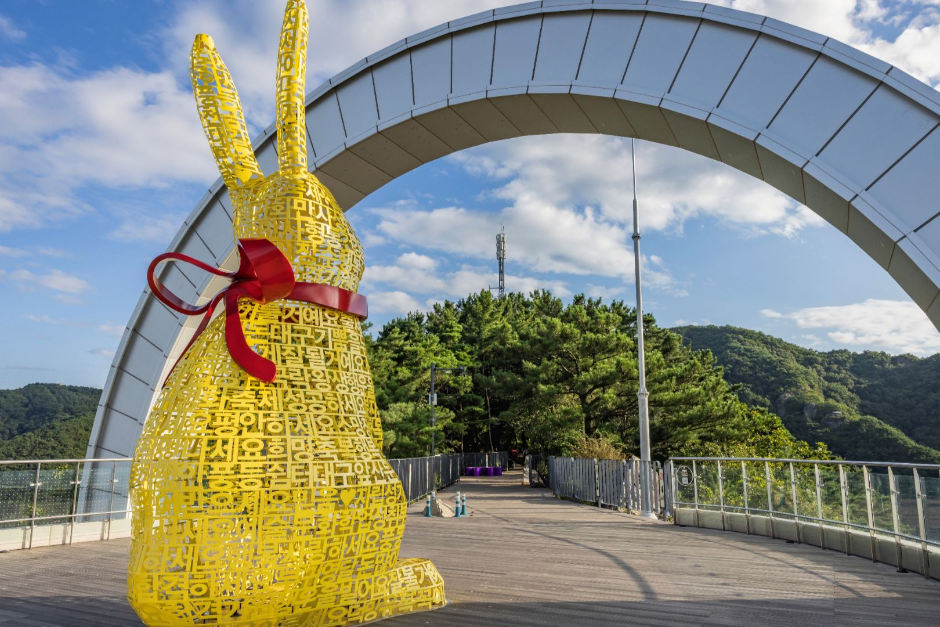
<point x="930" y="488"/>
<point x="756" y="485"/>
<point x="55" y="494"/>
<point x="16" y="494"/>
<point x="830" y="493"/>
<point x="733" y="486"/>
<point x="780" y="490"/>
<point x="858" y="508"/>
<point x="881" y="499"/>
<point x="685" y="482"/>
<point x="805" y="477"/>
<point x="707" y="484"/>
<point x="907" y="502"/>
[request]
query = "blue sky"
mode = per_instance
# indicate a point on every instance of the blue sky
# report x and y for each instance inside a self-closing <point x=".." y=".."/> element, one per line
<point x="102" y="156"/>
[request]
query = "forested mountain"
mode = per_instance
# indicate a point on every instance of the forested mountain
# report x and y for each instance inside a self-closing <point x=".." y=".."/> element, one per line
<point x="46" y="420"/>
<point x="546" y="376"/>
<point x="865" y="406"/>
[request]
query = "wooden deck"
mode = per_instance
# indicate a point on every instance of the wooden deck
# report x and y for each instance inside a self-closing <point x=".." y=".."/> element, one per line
<point x="525" y="558"/>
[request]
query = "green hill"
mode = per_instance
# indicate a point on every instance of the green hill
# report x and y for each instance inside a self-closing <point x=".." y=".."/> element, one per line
<point x="46" y="421"/>
<point x="864" y="406"/>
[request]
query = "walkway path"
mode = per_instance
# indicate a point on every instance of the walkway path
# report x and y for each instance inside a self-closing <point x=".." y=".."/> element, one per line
<point x="525" y="558"/>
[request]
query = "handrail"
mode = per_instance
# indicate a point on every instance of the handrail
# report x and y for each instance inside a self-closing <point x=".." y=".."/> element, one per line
<point x="828" y="462"/>
<point x="81" y="491"/>
<point x="883" y="516"/>
<point x="10" y="462"/>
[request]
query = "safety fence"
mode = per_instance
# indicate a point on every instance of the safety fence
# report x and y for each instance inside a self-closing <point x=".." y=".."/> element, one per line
<point x="613" y="484"/>
<point x="422" y="475"/>
<point x="882" y="511"/>
<point x="49" y="502"/>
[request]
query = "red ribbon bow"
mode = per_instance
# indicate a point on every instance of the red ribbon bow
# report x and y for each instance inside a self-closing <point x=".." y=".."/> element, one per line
<point x="264" y="275"/>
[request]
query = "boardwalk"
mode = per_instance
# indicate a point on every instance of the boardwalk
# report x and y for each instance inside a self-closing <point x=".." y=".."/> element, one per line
<point x="525" y="558"/>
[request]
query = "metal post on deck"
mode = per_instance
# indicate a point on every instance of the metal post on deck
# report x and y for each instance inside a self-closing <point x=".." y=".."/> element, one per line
<point x="695" y="492"/>
<point x="844" y="488"/>
<point x="646" y="492"/>
<point x="819" y="509"/>
<point x="32" y="519"/>
<point x="921" y="525"/>
<point x="721" y="496"/>
<point x="76" y="483"/>
<point x="111" y="500"/>
<point x="871" y="513"/>
<point x="895" y="518"/>
<point x="796" y="513"/>
<point x="747" y="507"/>
<point x="770" y="500"/>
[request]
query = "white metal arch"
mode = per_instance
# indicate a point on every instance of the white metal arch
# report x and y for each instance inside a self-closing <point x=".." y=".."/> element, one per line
<point x="850" y="136"/>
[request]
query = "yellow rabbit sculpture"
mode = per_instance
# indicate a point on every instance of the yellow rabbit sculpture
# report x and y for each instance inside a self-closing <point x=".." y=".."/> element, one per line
<point x="267" y="501"/>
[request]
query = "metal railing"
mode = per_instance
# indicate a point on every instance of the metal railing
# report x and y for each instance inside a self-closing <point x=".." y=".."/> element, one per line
<point x="884" y="511"/>
<point x="61" y="501"/>
<point x="422" y="475"/>
<point x="48" y="501"/>
<point x="607" y="483"/>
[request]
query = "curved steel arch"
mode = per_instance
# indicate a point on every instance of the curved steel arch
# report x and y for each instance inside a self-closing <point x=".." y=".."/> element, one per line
<point x="850" y="136"/>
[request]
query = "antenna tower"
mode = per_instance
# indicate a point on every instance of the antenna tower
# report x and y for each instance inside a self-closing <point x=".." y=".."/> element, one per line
<point x="501" y="257"/>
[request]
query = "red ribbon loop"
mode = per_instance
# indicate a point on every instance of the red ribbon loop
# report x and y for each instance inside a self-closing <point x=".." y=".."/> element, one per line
<point x="264" y="275"/>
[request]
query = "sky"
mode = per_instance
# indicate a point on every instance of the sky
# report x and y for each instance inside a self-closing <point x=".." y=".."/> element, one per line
<point x="102" y="157"/>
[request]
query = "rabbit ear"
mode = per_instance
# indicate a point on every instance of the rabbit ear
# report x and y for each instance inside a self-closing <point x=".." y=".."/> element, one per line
<point x="291" y="81"/>
<point x="221" y="114"/>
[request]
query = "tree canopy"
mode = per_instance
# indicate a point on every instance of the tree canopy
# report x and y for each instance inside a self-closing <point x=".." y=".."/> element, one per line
<point x="543" y="375"/>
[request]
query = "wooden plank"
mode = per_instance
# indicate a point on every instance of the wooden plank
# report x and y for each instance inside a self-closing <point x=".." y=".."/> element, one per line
<point x="523" y="558"/>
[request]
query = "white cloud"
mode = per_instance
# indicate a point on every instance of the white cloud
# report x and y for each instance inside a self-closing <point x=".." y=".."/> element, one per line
<point x="6" y="251"/>
<point x="107" y="328"/>
<point x="9" y="30"/>
<point x="413" y="273"/>
<point x="144" y="228"/>
<point x="890" y="325"/>
<point x="770" y="313"/>
<point x="396" y="302"/>
<point x="121" y="128"/>
<point x="102" y="352"/>
<point x="69" y="285"/>
<point x="593" y="170"/>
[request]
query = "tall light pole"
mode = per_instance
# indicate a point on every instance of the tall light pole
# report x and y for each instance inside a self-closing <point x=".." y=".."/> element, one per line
<point x="642" y="396"/>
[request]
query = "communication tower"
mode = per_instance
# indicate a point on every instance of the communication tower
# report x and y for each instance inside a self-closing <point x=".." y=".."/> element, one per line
<point x="501" y="258"/>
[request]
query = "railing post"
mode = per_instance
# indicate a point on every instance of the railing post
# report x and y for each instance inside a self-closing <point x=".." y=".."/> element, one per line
<point x="796" y="513"/>
<point x="695" y="492"/>
<point x="32" y="518"/>
<point x="871" y="514"/>
<point x="819" y="509"/>
<point x="721" y="496"/>
<point x="747" y="507"/>
<point x="921" y="525"/>
<point x="770" y="499"/>
<point x="76" y="483"/>
<point x="597" y="484"/>
<point x="111" y="500"/>
<point x="896" y="518"/>
<point x="844" y="488"/>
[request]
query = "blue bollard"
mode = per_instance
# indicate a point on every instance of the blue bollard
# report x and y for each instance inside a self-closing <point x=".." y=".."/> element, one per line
<point x="427" y="508"/>
<point x="463" y="508"/>
<point x="457" y="513"/>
